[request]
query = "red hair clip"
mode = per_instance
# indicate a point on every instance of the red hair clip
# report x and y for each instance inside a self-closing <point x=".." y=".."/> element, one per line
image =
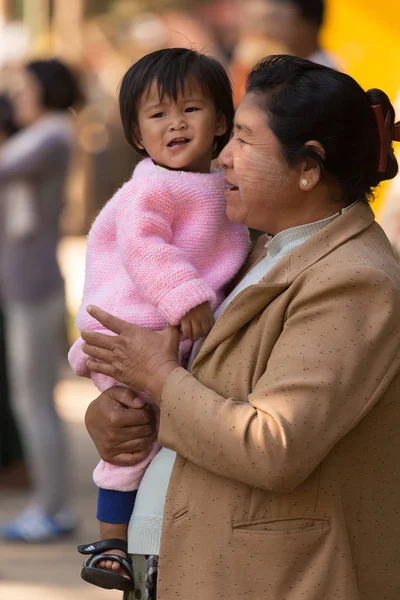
<point x="386" y="135"/>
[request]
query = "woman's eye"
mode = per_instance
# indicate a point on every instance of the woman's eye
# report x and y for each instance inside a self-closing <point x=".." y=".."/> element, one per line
<point x="192" y="109"/>
<point x="235" y="138"/>
<point x="158" y="115"/>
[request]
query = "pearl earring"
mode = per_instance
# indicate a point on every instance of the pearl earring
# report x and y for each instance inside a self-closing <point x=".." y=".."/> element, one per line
<point x="304" y="182"/>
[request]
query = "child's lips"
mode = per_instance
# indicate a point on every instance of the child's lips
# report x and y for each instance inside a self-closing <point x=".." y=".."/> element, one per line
<point x="178" y="142"/>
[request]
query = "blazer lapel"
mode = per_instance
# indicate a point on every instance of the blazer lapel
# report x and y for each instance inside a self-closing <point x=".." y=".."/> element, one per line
<point x="240" y="311"/>
<point x="248" y="303"/>
<point x="348" y="225"/>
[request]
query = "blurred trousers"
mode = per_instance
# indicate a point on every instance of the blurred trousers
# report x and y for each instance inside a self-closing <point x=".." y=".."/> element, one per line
<point x="34" y="336"/>
<point x="10" y="444"/>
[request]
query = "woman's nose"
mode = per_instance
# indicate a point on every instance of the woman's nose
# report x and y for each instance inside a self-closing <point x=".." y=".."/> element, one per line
<point x="225" y="157"/>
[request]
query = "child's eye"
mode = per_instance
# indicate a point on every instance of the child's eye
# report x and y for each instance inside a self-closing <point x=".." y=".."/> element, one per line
<point x="158" y="115"/>
<point x="192" y="109"/>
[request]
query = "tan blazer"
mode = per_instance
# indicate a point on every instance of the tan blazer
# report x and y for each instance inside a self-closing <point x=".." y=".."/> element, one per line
<point x="287" y="481"/>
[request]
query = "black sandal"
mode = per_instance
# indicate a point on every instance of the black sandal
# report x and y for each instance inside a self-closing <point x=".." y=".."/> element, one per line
<point x="105" y="578"/>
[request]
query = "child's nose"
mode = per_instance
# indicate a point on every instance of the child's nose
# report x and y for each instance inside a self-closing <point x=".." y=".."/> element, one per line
<point x="178" y="123"/>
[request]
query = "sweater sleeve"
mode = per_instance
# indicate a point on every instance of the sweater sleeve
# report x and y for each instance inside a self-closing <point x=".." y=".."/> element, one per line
<point x="31" y="158"/>
<point x="145" y="238"/>
<point x="336" y="355"/>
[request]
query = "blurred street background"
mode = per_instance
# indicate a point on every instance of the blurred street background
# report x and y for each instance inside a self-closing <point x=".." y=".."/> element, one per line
<point x="99" y="40"/>
<point x="51" y="570"/>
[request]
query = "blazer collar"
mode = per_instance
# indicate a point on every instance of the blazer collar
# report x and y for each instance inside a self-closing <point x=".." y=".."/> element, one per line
<point x="256" y="297"/>
<point x="343" y="228"/>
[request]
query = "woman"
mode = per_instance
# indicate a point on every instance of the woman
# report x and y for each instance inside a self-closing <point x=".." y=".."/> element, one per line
<point x="33" y="167"/>
<point x="286" y="480"/>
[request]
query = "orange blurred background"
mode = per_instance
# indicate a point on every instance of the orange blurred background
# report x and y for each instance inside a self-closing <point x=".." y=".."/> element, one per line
<point x="365" y="37"/>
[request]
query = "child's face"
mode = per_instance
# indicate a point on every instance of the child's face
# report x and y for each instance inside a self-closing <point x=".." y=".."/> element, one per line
<point x="179" y="135"/>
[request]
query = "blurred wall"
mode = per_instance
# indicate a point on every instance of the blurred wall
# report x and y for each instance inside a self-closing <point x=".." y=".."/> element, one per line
<point x="365" y="34"/>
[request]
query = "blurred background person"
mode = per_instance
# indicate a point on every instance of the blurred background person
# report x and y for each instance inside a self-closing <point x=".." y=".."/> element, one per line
<point x="297" y="25"/>
<point x="277" y="27"/>
<point x="106" y="159"/>
<point x="223" y="20"/>
<point x="38" y="158"/>
<point x="252" y="45"/>
<point x="12" y="471"/>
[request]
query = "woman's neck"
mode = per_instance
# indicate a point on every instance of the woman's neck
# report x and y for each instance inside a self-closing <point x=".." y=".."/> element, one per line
<point x="316" y="207"/>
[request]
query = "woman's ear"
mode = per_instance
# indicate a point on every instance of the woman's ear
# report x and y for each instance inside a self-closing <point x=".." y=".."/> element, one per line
<point x="137" y="136"/>
<point x="221" y="126"/>
<point x="310" y="173"/>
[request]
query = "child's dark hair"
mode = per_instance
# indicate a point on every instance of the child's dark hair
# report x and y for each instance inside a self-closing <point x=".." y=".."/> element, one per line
<point x="304" y="101"/>
<point x="170" y="68"/>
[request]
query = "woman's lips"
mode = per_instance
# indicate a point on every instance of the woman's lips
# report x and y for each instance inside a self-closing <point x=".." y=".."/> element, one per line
<point x="230" y="187"/>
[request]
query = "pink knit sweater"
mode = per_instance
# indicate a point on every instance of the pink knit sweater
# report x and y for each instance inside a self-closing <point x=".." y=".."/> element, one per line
<point x="161" y="246"/>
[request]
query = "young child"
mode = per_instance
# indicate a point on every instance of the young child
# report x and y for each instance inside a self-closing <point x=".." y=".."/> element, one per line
<point x="162" y="249"/>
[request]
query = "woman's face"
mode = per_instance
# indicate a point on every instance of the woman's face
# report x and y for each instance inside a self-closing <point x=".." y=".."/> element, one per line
<point x="260" y="185"/>
<point x="27" y="98"/>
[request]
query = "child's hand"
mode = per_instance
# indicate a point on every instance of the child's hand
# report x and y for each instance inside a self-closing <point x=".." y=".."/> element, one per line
<point x="197" y="322"/>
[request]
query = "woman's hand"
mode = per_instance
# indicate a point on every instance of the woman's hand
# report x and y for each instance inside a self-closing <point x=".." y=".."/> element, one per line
<point x="121" y="426"/>
<point x="137" y="357"/>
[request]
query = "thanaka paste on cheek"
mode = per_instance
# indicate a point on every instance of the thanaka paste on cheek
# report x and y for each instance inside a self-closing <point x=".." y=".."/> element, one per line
<point x="259" y="170"/>
<point x="261" y="182"/>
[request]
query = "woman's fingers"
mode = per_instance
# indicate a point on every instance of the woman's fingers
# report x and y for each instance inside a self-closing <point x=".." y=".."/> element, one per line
<point x="97" y="353"/>
<point x="134" y="419"/>
<point x="112" y="419"/>
<point x="135" y="355"/>
<point x="135" y="449"/>
<point x="109" y="321"/>
<point x="118" y="437"/>
<point x="100" y="340"/>
<point x="136" y="445"/>
<point x="127" y="397"/>
<point x="142" y="433"/>
<point x="101" y="367"/>
<point x="127" y="459"/>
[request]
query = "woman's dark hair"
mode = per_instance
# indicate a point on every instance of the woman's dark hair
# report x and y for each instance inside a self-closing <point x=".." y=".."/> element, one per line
<point x="305" y="101"/>
<point x="7" y="124"/>
<point x="171" y="68"/>
<point x="59" y="86"/>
